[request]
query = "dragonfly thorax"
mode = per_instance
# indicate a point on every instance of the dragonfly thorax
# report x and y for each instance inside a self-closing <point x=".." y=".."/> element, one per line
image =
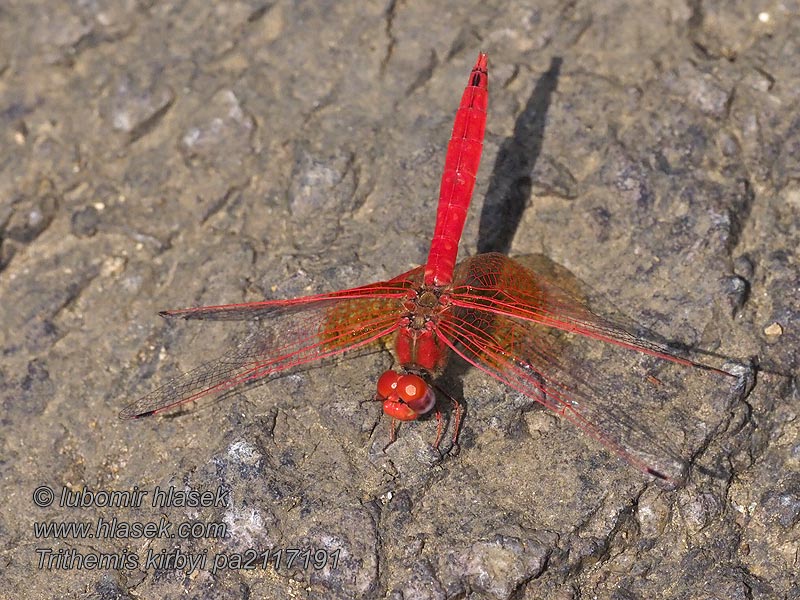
<point x="418" y="346"/>
<point x="428" y="298"/>
<point x="428" y="304"/>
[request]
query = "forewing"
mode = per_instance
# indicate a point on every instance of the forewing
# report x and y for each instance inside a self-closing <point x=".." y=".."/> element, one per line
<point x="287" y="336"/>
<point x="525" y="289"/>
<point x="394" y="288"/>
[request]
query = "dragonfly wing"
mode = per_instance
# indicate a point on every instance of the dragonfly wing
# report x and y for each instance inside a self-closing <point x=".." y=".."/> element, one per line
<point x="288" y="336"/>
<point x="527" y="288"/>
<point x="632" y="403"/>
<point x="267" y="309"/>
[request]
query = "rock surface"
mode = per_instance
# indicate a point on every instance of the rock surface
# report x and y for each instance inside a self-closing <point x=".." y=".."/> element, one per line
<point x="166" y="154"/>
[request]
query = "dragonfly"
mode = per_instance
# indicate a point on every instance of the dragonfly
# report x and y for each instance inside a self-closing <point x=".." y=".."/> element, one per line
<point x="507" y="317"/>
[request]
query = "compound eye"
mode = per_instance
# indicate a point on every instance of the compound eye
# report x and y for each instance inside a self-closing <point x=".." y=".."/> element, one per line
<point x="387" y="384"/>
<point x="413" y="390"/>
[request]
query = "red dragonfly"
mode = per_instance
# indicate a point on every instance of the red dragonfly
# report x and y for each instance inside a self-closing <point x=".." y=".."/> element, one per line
<point x="506" y="317"/>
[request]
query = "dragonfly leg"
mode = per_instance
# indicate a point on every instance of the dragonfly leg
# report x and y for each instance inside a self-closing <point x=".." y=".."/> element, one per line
<point x="456" y="420"/>
<point x="457" y="413"/>
<point x="439" y="428"/>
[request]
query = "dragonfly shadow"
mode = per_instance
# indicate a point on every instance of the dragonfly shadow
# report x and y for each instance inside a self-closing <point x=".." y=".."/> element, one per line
<point x="510" y="182"/>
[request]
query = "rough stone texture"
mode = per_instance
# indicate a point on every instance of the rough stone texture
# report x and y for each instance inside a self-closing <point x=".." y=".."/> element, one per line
<point x="165" y="154"/>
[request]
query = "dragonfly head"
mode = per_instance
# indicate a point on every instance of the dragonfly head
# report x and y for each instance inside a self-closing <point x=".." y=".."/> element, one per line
<point x="405" y="397"/>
